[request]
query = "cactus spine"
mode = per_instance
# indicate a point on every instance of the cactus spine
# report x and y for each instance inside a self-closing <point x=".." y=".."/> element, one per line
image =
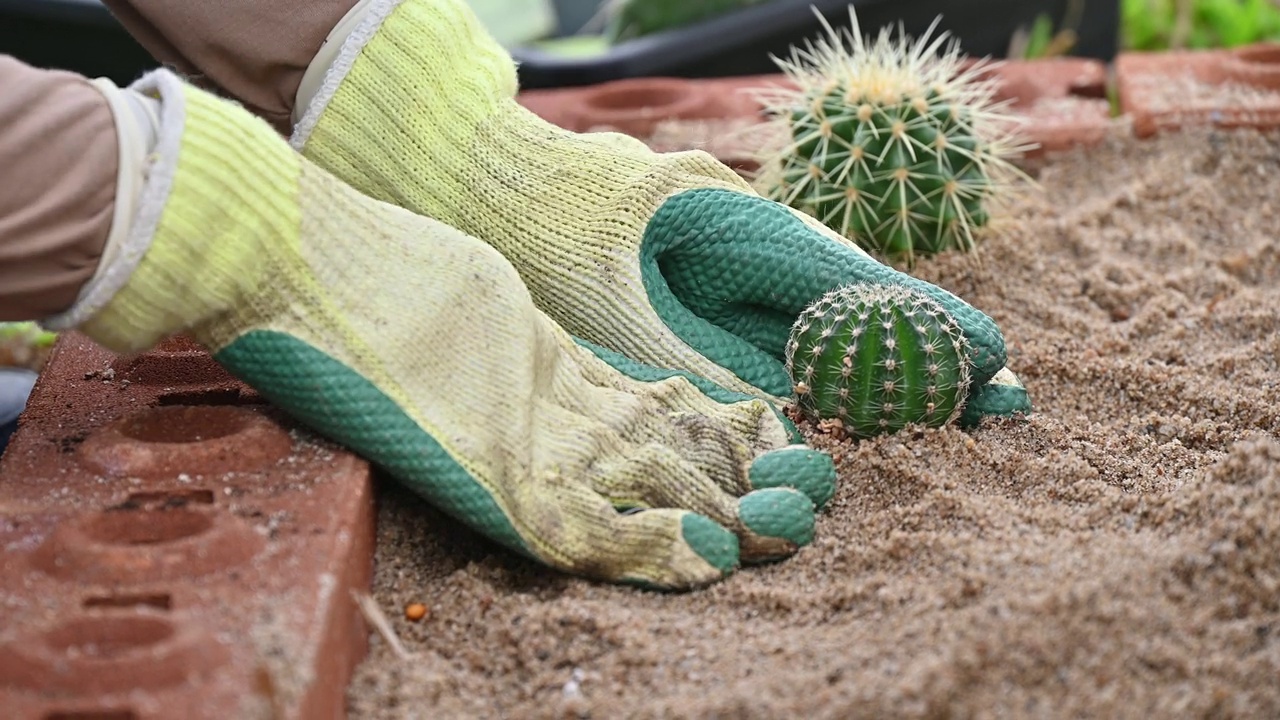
<point x="891" y="143"/>
<point x="878" y="358"/>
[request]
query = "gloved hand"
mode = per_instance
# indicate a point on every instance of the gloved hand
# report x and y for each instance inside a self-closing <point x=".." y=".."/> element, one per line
<point x="668" y="259"/>
<point x="418" y="347"/>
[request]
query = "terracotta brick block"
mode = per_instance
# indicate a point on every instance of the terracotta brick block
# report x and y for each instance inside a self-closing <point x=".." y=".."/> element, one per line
<point x="1062" y="100"/>
<point x="1164" y="92"/>
<point x="170" y="547"/>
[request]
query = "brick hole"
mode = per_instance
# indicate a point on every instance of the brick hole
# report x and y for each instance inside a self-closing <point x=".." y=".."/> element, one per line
<point x="91" y="715"/>
<point x="145" y="527"/>
<point x="1254" y="65"/>
<point x="109" y="652"/>
<point x="127" y="546"/>
<point x="107" y="637"/>
<point x="635" y="106"/>
<point x="165" y="499"/>
<point x="1263" y="55"/>
<point x="156" y="601"/>
<point x="69" y="444"/>
<point x="164" y="442"/>
<point x="217" y="396"/>
<point x="176" y="425"/>
<point x="1091" y="90"/>
<point x="650" y="95"/>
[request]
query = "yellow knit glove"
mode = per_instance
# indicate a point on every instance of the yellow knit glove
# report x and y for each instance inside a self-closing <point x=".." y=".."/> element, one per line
<point x="418" y="347"/>
<point x="668" y="259"/>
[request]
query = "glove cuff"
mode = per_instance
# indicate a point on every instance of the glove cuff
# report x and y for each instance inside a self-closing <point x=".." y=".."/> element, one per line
<point x="136" y="120"/>
<point x="380" y="46"/>
<point x="189" y="251"/>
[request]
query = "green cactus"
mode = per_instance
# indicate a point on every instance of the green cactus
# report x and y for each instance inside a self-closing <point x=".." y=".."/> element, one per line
<point x="897" y="145"/>
<point x="629" y="19"/>
<point x="878" y="358"/>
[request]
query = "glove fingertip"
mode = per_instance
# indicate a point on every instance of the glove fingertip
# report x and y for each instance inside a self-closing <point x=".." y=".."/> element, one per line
<point x="783" y="514"/>
<point x="711" y="541"/>
<point x="810" y="471"/>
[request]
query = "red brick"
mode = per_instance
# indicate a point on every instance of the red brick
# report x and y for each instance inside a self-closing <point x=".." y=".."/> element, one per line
<point x="1063" y="101"/>
<point x="173" y="548"/>
<point x="1164" y="92"/>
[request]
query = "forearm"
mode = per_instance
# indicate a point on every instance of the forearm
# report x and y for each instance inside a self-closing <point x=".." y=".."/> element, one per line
<point x="255" y="51"/>
<point x="58" y="168"/>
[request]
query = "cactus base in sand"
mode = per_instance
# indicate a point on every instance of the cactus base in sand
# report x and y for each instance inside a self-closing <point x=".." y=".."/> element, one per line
<point x="878" y="358"/>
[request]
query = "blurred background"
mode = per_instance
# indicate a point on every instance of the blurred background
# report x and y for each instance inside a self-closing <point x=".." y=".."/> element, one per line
<point x="576" y="42"/>
<point x="573" y="42"/>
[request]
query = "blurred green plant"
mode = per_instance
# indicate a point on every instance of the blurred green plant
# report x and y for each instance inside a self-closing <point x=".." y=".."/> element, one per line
<point x="24" y="344"/>
<point x="1197" y="24"/>
<point x="629" y="19"/>
<point x="28" y="332"/>
<point x="1042" y="39"/>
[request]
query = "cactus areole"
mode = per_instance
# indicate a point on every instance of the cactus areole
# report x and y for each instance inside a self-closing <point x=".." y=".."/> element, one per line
<point x="878" y="358"/>
<point x="896" y="145"/>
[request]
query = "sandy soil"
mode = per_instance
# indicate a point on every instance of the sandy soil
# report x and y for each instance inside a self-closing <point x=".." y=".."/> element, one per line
<point x="1117" y="555"/>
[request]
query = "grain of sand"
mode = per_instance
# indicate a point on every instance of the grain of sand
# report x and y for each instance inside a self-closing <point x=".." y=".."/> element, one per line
<point x="1117" y="555"/>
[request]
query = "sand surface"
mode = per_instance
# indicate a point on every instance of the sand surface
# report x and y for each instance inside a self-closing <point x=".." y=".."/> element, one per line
<point x="1117" y="555"/>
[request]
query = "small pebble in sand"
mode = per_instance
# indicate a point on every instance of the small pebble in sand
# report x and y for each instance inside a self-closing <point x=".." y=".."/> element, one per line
<point x="415" y="612"/>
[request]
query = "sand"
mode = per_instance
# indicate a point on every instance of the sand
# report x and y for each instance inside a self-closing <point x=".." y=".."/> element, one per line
<point x="1116" y="555"/>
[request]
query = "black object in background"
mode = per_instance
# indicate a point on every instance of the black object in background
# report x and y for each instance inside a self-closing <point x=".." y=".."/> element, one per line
<point x="77" y="35"/>
<point x="741" y="42"/>
<point x="81" y="35"/>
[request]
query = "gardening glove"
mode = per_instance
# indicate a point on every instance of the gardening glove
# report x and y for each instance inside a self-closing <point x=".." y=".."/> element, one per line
<point x="418" y="347"/>
<point x="669" y="259"/>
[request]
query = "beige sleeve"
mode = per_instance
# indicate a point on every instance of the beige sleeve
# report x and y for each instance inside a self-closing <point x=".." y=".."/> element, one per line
<point x="254" y="51"/>
<point x="58" y="160"/>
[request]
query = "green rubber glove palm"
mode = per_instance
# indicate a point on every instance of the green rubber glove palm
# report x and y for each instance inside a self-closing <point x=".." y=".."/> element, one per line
<point x="418" y="347"/>
<point x="668" y="259"/>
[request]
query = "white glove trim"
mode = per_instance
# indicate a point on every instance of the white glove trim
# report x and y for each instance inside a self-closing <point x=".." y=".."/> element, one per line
<point x="330" y="66"/>
<point x="149" y="133"/>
